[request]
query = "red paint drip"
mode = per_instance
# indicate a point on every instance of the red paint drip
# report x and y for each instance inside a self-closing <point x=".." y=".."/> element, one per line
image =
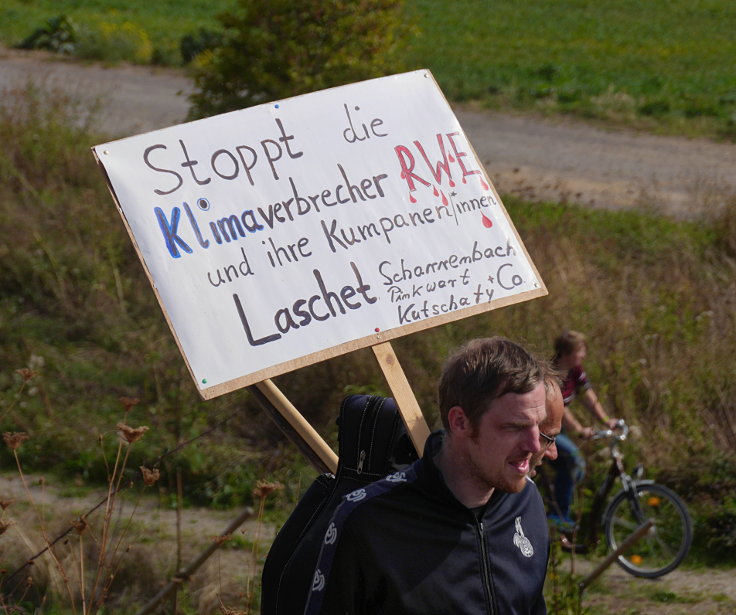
<point x="451" y="159"/>
<point x="444" y="199"/>
<point x="436" y="192"/>
<point x="452" y="183"/>
<point x="411" y="198"/>
<point x="484" y="184"/>
<point x="465" y="181"/>
<point x="486" y="221"/>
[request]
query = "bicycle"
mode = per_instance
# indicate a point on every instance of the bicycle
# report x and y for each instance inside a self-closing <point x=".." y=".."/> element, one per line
<point x="663" y="546"/>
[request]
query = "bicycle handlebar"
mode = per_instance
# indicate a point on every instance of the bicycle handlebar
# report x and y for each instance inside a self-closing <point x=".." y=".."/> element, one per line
<point x="619" y="433"/>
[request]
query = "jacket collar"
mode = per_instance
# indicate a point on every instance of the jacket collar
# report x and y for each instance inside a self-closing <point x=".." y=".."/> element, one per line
<point x="431" y="481"/>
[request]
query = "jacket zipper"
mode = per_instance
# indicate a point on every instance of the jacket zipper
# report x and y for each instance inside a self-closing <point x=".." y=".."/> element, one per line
<point x="487" y="585"/>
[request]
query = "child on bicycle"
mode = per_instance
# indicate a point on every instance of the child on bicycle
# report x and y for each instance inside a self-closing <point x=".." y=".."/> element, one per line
<point x="570" y="349"/>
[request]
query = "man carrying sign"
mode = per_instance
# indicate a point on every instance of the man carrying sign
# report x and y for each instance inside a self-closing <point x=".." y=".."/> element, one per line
<point x="462" y="530"/>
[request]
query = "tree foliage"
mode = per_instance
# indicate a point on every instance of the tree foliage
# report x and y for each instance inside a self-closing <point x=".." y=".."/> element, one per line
<point x="273" y="49"/>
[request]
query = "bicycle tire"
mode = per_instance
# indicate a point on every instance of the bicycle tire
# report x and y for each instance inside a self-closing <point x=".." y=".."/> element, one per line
<point x="663" y="547"/>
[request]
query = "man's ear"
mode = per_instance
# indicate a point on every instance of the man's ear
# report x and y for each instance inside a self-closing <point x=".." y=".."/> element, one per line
<point x="458" y="420"/>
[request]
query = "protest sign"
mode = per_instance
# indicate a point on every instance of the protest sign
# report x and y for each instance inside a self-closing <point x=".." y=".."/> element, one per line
<point x="299" y="230"/>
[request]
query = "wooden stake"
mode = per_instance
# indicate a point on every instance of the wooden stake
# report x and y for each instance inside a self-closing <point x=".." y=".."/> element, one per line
<point x="412" y="415"/>
<point x="324" y="456"/>
<point x="625" y="546"/>
<point x="184" y="575"/>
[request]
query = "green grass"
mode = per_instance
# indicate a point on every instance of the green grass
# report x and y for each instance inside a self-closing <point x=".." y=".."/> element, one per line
<point x="666" y="596"/>
<point x="662" y="65"/>
<point x="666" y="63"/>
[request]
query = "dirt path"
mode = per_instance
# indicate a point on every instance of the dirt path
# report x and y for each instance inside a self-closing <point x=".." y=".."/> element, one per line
<point x="147" y="539"/>
<point x="150" y="536"/>
<point x="537" y="159"/>
<point x="681" y="592"/>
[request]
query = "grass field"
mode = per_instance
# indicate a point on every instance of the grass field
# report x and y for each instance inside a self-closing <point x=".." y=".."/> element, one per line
<point x="666" y="62"/>
<point x="663" y="65"/>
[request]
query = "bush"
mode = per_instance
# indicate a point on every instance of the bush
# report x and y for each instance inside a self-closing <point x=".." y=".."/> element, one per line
<point x="57" y="35"/>
<point x="278" y="48"/>
<point x="709" y="489"/>
<point x="112" y="42"/>
<point x="191" y="45"/>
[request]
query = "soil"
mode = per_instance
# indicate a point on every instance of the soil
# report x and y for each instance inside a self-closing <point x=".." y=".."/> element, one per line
<point x="149" y="540"/>
<point x="151" y="545"/>
<point x="535" y="158"/>
<point x="684" y="591"/>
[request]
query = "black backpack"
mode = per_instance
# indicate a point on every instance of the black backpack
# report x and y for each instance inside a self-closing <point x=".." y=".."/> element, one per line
<point x="372" y="443"/>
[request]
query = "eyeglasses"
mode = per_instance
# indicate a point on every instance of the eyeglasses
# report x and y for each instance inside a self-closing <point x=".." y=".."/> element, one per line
<point x="546" y="440"/>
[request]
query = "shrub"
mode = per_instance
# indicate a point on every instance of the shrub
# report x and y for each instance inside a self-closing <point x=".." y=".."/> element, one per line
<point x="58" y="35"/>
<point x="277" y="48"/>
<point x="112" y="42"/>
<point x="655" y="107"/>
<point x="709" y="489"/>
<point x="191" y="45"/>
<point x="718" y="530"/>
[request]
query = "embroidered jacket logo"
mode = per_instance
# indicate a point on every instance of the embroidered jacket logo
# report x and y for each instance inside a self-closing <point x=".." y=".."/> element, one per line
<point x="318" y="582"/>
<point x="356" y="495"/>
<point x="521" y="541"/>
<point x="331" y="534"/>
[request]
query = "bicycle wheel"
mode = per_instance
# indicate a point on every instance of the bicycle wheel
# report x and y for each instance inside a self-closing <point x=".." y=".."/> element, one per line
<point x="665" y="545"/>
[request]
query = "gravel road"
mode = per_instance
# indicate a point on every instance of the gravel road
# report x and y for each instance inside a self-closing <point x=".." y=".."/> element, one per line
<point x="535" y="158"/>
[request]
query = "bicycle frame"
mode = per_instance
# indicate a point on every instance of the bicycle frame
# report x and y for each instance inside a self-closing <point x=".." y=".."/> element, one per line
<point x="592" y="529"/>
<point x="593" y="526"/>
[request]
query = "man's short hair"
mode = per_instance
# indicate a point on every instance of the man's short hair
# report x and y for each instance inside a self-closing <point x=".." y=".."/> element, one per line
<point x="567" y="343"/>
<point x="483" y="370"/>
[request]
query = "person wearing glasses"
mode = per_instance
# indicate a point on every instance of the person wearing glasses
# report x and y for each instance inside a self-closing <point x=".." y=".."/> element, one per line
<point x="463" y="529"/>
<point x="551" y="426"/>
<point x="570" y="350"/>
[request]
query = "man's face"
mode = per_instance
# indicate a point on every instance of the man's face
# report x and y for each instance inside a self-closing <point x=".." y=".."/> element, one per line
<point x="499" y="454"/>
<point x="551" y="425"/>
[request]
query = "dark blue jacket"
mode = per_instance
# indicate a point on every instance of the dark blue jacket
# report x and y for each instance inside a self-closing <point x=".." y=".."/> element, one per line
<point x="405" y="546"/>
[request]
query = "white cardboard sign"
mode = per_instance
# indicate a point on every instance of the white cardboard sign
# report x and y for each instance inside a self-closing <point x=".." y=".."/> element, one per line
<point x="298" y="230"/>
